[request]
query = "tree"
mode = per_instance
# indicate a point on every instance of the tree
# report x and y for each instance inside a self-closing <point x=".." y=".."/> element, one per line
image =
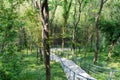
<point x="96" y="29"/>
<point x="75" y="23"/>
<point x="66" y="10"/>
<point x="44" y="11"/>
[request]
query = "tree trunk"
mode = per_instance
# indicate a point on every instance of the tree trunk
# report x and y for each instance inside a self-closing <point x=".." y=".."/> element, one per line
<point x="96" y="40"/>
<point x="110" y="51"/>
<point x="44" y="12"/>
<point x="63" y="41"/>
<point x="37" y="53"/>
<point x="97" y="32"/>
<point x="76" y="21"/>
<point x="31" y="47"/>
<point x="40" y="52"/>
<point x="65" y="16"/>
<point x="91" y="43"/>
<point x="73" y="43"/>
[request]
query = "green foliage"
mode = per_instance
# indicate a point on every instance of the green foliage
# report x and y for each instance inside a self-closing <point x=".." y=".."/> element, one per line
<point x="10" y="65"/>
<point x="85" y="2"/>
<point x="9" y="22"/>
<point x="111" y="30"/>
<point x="9" y="25"/>
<point x="116" y="50"/>
<point x="21" y="66"/>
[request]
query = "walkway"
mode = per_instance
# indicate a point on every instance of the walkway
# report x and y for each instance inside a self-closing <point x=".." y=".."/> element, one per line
<point x="73" y="72"/>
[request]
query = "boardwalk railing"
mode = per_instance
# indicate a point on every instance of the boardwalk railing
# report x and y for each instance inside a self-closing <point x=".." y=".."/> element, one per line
<point x="74" y="75"/>
<point x="101" y="72"/>
<point x="71" y="74"/>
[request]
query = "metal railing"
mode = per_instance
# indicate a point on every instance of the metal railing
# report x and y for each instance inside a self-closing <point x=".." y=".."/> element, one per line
<point x="72" y="75"/>
<point x="101" y="72"/>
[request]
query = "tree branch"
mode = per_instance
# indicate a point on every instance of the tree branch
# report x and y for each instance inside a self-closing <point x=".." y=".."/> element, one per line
<point x="69" y="6"/>
<point x="101" y="6"/>
<point x="79" y="11"/>
<point x="53" y="14"/>
<point x="105" y="1"/>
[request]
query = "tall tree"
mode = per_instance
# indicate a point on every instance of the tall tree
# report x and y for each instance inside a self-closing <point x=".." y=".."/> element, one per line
<point x="44" y="11"/>
<point x="96" y="29"/>
<point x="36" y="33"/>
<point x="66" y="8"/>
<point x="76" y="17"/>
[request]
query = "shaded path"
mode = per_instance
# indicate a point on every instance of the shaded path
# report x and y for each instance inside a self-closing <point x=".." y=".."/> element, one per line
<point x="73" y="72"/>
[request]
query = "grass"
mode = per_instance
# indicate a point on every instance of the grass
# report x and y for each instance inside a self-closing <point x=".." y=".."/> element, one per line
<point x="29" y="69"/>
<point x="35" y="72"/>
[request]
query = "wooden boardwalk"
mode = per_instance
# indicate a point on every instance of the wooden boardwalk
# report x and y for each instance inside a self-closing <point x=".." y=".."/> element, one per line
<point x="72" y="71"/>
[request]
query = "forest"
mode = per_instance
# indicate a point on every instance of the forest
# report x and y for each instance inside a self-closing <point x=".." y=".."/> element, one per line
<point x="87" y="32"/>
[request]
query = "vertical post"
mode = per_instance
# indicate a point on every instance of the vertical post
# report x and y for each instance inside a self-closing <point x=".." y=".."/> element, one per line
<point x="73" y="75"/>
<point x="58" y="53"/>
<point x="52" y="57"/>
<point x="111" y="72"/>
<point x="70" y="73"/>
<point x="88" y="68"/>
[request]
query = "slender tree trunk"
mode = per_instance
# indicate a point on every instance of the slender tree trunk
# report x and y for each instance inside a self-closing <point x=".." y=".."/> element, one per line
<point x="65" y="16"/>
<point x="52" y="17"/>
<point x="2" y="47"/>
<point x="40" y="52"/>
<point x="31" y="47"/>
<point x="73" y="42"/>
<point x="76" y="21"/>
<point x="37" y="54"/>
<point x="96" y="40"/>
<point x="91" y="40"/>
<point x="44" y="12"/>
<point x="97" y="31"/>
<point x="63" y="40"/>
<point x="110" y="50"/>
